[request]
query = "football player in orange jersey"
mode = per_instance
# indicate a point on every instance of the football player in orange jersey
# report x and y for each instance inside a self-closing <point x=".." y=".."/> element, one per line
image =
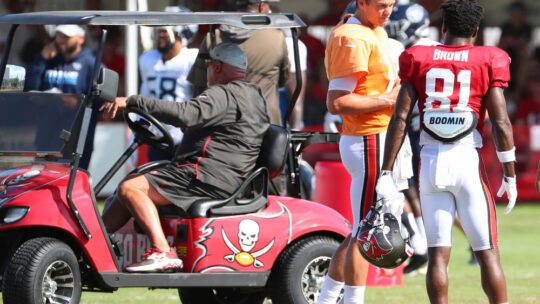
<point x="362" y="89"/>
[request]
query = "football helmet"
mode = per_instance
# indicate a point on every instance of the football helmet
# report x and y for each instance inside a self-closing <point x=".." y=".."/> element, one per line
<point x="408" y="23"/>
<point x="380" y="241"/>
<point x="350" y="9"/>
<point x="186" y="32"/>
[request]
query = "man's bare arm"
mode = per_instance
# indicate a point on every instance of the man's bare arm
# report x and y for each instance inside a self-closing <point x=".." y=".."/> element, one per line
<point x="502" y="128"/>
<point x="344" y="102"/>
<point x="398" y="125"/>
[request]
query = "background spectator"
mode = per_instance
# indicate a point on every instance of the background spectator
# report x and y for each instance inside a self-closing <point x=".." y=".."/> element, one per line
<point x="266" y="50"/>
<point x="164" y="73"/>
<point x="28" y="40"/>
<point x="316" y="81"/>
<point x="296" y="121"/>
<point x="528" y="108"/>
<point x="66" y="66"/>
<point x="515" y="38"/>
<point x="113" y="55"/>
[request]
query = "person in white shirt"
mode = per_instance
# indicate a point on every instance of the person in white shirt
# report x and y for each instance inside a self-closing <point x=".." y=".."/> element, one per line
<point x="164" y="70"/>
<point x="285" y="93"/>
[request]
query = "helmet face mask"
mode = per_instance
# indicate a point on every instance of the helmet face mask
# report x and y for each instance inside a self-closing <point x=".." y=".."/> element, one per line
<point x="184" y="32"/>
<point x="380" y="241"/>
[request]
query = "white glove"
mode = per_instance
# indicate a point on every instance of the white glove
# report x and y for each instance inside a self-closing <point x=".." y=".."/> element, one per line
<point x="386" y="187"/>
<point x="331" y="122"/>
<point x="394" y="206"/>
<point x="508" y="186"/>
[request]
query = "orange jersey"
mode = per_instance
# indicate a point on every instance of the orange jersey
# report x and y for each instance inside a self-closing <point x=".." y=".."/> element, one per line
<point x="355" y="49"/>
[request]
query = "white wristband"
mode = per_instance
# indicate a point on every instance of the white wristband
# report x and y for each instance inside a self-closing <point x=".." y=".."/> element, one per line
<point x="385" y="172"/>
<point x="507" y="156"/>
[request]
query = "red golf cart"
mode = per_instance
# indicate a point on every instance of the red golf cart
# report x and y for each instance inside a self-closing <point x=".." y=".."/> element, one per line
<point x="244" y="249"/>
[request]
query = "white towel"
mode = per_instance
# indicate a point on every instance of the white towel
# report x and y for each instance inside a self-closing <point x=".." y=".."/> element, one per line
<point x="403" y="169"/>
<point x="445" y="173"/>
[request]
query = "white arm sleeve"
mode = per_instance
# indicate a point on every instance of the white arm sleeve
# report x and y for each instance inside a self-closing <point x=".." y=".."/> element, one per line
<point x="343" y="84"/>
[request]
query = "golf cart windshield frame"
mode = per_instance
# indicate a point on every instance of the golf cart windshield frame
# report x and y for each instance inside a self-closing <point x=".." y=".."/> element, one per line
<point x="241" y="20"/>
<point x="123" y="18"/>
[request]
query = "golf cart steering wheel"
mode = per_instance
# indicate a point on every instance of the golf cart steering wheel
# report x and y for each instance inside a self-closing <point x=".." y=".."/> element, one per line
<point x="148" y="130"/>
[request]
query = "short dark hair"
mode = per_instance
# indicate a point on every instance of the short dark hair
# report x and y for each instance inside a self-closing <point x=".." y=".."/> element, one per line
<point x="462" y="17"/>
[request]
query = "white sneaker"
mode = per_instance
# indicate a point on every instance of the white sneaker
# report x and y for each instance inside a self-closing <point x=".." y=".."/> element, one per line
<point x="155" y="260"/>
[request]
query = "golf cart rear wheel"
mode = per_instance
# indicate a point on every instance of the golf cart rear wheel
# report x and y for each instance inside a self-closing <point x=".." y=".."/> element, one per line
<point x="299" y="273"/>
<point x="219" y="296"/>
<point x="42" y="270"/>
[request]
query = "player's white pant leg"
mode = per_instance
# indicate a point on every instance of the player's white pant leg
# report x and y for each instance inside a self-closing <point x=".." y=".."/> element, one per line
<point x="475" y="204"/>
<point x="362" y="157"/>
<point x="438" y="206"/>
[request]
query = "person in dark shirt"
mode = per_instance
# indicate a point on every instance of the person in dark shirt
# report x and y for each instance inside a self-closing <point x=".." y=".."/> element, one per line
<point x="528" y="108"/>
<point x="66" y="66"/>
<point x="515" y="38"/>
<point x="266" y="50"/>
<point x="224" y="129"/>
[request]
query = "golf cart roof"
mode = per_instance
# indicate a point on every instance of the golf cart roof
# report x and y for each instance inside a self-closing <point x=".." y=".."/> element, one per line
<point x="241" y="20"/>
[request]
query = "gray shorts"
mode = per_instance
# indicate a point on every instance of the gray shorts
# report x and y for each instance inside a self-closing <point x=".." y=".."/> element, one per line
<point x="180" y="186"/>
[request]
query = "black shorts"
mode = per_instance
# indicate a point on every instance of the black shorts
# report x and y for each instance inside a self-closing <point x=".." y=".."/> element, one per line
<point x="181" y="187"/>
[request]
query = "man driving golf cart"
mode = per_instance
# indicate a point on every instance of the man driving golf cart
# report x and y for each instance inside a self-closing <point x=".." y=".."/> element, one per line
<point x="224" y="129"/>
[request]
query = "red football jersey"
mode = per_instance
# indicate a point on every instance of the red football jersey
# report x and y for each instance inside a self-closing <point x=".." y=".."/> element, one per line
<point x="450" y="77"/>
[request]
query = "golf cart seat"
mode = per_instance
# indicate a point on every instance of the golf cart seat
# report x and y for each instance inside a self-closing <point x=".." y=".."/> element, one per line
<point x="252" y="194"/>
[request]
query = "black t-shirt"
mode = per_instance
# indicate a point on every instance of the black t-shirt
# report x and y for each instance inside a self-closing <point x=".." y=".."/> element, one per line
<point x="224" y="128"/>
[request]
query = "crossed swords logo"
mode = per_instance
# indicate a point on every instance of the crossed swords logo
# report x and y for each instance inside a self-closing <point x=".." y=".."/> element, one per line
<point x="248" y="235"/>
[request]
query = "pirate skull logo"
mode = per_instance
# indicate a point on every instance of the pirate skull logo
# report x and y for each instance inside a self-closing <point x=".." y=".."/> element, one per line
<point x="248" y="235"/>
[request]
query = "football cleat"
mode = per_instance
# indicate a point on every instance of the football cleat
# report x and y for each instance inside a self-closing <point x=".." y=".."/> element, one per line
<point x="417" y="264"/>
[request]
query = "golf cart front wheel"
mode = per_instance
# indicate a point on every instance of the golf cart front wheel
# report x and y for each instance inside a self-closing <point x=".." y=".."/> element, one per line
<point x="299" y="273"/>
<point x="219" y="296"/>
<point x="42" y="270"/>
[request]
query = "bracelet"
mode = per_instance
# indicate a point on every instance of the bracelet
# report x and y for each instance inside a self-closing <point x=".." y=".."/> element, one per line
<point x="507" y="156"/>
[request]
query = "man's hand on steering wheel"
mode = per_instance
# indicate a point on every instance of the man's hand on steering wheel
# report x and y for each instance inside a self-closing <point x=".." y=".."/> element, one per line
<point x="111" y="108"/>
<point x="145" y="127"/>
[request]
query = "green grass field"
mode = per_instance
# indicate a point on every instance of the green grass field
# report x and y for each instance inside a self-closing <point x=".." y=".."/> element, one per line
<point x="520" y="253"/>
